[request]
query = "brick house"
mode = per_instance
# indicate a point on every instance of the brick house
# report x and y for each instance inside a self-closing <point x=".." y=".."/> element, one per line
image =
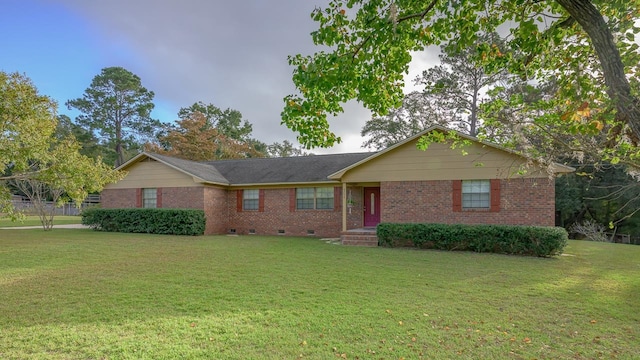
<point x="346" y="194"/>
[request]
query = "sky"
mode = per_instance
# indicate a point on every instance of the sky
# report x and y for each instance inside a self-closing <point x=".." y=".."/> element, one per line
<point x="232" y="54"/>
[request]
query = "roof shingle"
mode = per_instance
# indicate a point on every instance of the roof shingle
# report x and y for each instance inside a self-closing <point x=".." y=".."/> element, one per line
<point x="299" y="169"/>
<point x="201" y="170"/>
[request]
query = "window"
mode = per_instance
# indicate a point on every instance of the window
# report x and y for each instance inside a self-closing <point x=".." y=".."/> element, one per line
<point x="149" y="198"/>
<point x="250" y="199"/>
<point x="305" y="198"/>
<point x="476" y="194"/>
<point x="324" y="198"/>
<point x="314" y="198"/>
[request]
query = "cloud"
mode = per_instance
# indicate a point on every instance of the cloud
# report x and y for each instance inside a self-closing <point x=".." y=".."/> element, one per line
<point x="229" y="53"/>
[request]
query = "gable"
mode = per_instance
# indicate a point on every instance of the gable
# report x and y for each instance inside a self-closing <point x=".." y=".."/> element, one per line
<point x="150" y="173"/>
<point x="439" y="162"/>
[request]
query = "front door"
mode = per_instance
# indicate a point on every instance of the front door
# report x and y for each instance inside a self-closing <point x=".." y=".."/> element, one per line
<point x="371" y="206"/>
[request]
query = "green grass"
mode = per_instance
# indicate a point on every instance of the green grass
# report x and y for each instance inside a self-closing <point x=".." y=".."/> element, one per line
<point x="80" y="294"/>
<point x="35" y="221"/>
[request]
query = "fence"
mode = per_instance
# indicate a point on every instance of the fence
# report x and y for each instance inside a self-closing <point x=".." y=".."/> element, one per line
<point x="26" y="206"/>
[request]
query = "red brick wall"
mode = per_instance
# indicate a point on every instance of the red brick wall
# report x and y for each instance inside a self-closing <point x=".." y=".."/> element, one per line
<point x="173" y="197"/>
<point x="176" y="198"/>
<point x="118" y="198"/>
<point x="216" y="210"/>
<point x="522" y="202"/>
<point x="277" y="215"/>
<point x="183" y="197"/>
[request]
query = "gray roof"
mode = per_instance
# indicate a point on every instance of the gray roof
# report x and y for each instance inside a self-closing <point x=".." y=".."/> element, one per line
<point x="298" y="169"/>
<point x="203" y="171"/>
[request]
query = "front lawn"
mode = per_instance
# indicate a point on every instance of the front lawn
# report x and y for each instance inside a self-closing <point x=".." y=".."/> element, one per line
<point x="35" y="221"/>
<point x="80" y="294"/>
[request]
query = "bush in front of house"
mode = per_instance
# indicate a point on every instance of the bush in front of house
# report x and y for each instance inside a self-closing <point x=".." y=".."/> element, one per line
<point x="152" y="221"/>
<point x="501" y="239"/>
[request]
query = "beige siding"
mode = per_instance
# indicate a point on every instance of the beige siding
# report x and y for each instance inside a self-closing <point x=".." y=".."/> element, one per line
<point x="440" y="162"/>
<point x="147" y="174"/>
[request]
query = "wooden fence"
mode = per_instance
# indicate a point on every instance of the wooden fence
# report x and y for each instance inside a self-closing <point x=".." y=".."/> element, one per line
<point x="23" y="204"/>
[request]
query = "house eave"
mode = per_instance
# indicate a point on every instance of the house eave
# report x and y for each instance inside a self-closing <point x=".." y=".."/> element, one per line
<point x="554" y="167"/>
<point x="558" y="168"/>
<point x="284" y="184"/>
<point x="132" y="161"/>
<point x="205" y="182"/>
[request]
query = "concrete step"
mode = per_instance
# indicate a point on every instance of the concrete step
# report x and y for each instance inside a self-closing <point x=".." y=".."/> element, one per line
<point x="359" y="238"/>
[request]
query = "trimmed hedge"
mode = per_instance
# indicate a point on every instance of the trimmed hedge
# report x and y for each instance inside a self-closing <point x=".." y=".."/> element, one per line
<point x="501" y="239"/>
<point x="152" y="221"/>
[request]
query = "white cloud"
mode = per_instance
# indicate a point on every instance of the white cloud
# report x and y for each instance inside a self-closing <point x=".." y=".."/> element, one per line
<point x="229" y="53"/>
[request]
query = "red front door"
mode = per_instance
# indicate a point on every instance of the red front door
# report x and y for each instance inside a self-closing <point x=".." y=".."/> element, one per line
<point x="371" y="206"/>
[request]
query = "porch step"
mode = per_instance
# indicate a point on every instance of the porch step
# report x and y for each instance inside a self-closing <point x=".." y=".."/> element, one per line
<point x="359" y="238"/>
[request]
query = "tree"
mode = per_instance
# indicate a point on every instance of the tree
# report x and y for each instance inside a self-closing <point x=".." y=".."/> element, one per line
<point x="260" y="149"/>
<point x="229" y="122"/>
<point x="286" y="149"/>
<point x="458" y="85"/>
<point x="416" y="114"/>
<point x="119" y="108"/>
<point x="65" y="176"/>
<point x="90" y="145"/>
<point x="587" y="46"/>
<point x="194" y="139"/>
<point x="608" y="196"/>
<point x="27" y="121"/>
<point x="30" y="151"/>
<point x="451" y="97"/>
<point x="230" y="125"/>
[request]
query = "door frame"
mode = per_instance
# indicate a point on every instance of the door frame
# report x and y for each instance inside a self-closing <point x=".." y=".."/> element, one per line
<point x="370" y="220"/>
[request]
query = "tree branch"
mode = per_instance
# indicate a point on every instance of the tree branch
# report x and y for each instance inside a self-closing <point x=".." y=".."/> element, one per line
<point x="618" y="87"/>
<point x="420" y="15"/>
<point x="566" y="23"/>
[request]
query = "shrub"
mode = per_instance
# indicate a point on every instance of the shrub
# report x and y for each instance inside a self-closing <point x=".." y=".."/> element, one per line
<point x="591" y="230"/>
<point x="152" y="221"/>
<point x="502" y="239"/>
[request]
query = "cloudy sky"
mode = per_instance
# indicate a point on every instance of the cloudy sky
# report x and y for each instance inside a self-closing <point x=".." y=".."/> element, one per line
<point x="229" y="53"/>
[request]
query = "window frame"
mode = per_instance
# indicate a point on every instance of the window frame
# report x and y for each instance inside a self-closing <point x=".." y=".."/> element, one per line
<point x="149" y="197"/>
<point x="476" y="194"/>
<point x="305" y="198"/>
<point x="324" y="198"/>
<point x="315" y="198"/>
<point x="254" y="199"/>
